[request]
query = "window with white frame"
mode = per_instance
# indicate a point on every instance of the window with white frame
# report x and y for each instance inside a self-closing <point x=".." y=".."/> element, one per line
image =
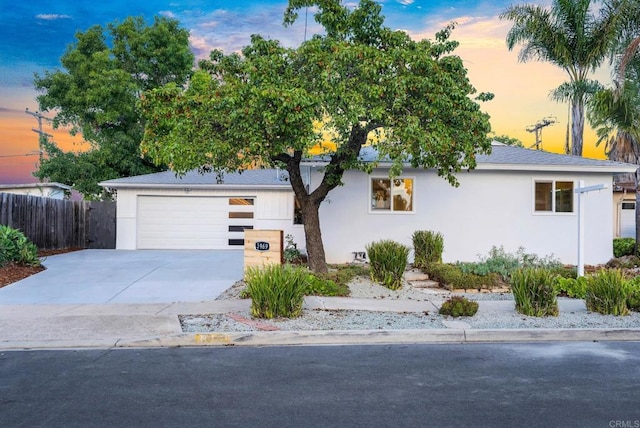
<point x="391" y="195"/>
<point x="554" y="196"/>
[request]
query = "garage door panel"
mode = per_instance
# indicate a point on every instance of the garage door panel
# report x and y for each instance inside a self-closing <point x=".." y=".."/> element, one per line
<point x="175" y="222"/>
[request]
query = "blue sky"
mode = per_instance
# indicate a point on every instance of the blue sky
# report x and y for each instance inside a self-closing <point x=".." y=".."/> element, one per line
<point x="34" y="35"/>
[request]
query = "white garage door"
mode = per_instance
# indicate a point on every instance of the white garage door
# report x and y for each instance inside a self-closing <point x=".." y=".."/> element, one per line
<point x="186" y="222"/>
<point x="628" y="219"/>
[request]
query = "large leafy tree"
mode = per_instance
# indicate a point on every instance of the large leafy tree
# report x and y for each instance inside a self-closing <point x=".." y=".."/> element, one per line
<point x="263" y="107"/>
<point x="571" y="36"/>
<point x="105" y="72"/>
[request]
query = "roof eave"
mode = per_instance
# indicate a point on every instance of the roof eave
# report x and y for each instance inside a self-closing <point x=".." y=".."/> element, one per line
<point x="615" y="169"/>
<point x="195" y="186"/>
<point x="557" y="168"/>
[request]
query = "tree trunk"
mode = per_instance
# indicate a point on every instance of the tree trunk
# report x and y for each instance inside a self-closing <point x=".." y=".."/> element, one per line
<point x="310" y="201"/>
<point x="310" y="205"/>
<point x="577" y="125"/>
<point x="316" y="259"/>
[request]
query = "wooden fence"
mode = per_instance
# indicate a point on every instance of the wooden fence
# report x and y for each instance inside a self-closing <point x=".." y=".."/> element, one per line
<point x="54" y="223"/>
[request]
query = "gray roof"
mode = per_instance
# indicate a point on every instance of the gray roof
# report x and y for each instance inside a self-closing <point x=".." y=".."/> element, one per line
<point x="256" y="178"/>
<point x="502" y="154"/>
<point x="502" y="157"/>
<point x="506" y="157"/>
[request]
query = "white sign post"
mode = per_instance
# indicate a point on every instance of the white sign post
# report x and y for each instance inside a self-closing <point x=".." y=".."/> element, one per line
<point x="580" y="190"/>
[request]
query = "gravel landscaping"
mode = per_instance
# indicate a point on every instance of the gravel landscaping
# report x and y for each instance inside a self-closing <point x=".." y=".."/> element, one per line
<point x="496" y="313"/>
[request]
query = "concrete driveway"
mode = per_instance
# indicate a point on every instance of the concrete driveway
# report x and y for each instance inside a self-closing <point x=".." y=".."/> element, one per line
<point x="123" y="276"/>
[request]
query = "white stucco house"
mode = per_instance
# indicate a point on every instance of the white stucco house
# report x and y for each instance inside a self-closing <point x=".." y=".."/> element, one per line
<point x="47" y="190"/>
<point x="515" y="198"/>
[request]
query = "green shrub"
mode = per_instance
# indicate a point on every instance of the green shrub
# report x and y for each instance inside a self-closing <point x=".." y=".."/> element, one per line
<point x="17" y="248"/>
<point x="633" y="300"/>
<point x="458" y="306"/>
<point x="276" y="291"/>
<point x="428" y="247"/>
<point x="388" y="260"/>
<point x="572" y="287"/>
<point x="563" y="271"/>
<point x="343" y="274"/>
<point x="452" y="277"/>
<point x="333" y="283"/>
<point x="623" y="247"/>
<point x="321" y="285"/>
<point x="503" y="263"/>
<point x="607" y="292"/>
<point x="534" y="293"/>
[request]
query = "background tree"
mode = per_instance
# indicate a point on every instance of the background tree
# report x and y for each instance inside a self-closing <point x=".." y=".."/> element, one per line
<point x="509" y="141"/>
<point x="263" y="107"/>
<point x="570" y="36"/>
<point x="105" y="72"/>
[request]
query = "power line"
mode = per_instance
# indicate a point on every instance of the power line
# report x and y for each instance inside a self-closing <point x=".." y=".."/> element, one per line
<point x="43" y="136"/>
<point x="537" y="128"/>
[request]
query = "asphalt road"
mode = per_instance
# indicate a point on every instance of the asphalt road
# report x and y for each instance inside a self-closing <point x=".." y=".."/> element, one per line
<point x="485" y="385"/>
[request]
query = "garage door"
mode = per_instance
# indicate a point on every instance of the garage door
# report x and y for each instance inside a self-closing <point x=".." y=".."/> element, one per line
<point x="628" y="219"/>
<point x="186" y="222"/>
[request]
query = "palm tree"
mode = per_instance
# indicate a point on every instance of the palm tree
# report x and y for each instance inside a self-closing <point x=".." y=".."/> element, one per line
<point x="615" y="114"/>
<point x="569" y="36"/>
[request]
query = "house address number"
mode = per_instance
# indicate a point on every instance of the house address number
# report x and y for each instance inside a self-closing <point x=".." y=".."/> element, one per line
<point x="262" y="246"/>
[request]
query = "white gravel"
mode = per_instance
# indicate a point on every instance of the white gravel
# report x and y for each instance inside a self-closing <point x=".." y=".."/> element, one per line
<point x="486" y="318"/>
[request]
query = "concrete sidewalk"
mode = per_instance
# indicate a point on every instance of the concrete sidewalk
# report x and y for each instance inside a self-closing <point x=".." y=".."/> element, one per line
<point x="157" y="325"/>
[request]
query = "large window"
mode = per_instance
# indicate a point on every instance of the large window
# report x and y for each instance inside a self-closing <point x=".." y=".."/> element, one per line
<point x="392" y="194"/>
<point x="554" y="196"/>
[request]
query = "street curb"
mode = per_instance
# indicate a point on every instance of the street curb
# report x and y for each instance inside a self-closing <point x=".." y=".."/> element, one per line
<point x="383" y="337"/>
<point x="337" y="337"/>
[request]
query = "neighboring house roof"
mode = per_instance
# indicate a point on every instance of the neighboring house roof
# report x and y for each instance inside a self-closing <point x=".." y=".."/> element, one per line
<point x="263" y="178"/>
<point x="505" y="157"/>
<point x="54" y="185"/>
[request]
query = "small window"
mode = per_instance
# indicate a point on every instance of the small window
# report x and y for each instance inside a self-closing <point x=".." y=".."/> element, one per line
<point x="236" y="242"/>
<point x="240" y="201"/>
<point x="239" y="228"/>
<point x="554" y="196"/>
<point x="628" y="205"/>
<point x="233" y="214"/>
<point x="392" y="194"/>
<point x="564" y="196"/>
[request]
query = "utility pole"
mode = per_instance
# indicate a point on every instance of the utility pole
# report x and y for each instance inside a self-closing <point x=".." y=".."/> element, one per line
<point x="42" y="136"/>
<point x="537" y="128"/>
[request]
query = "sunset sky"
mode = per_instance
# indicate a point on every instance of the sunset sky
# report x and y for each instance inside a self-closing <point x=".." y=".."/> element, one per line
<point x="34" y="35"/>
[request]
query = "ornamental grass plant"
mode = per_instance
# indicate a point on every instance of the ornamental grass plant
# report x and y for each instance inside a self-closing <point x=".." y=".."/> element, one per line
<point x="607" y="292"/>
<point x="428" y="247"/>
<point x="534" y="292"/>
<point x="276" y="291"/>
<point x="388" y="261"/>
